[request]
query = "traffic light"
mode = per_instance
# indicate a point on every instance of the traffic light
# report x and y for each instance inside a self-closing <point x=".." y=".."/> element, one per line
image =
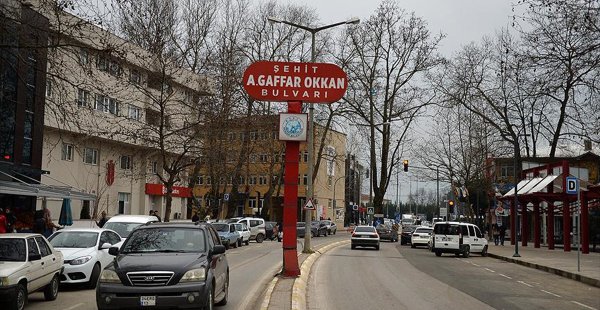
<point x="451" y="206"/>
<point x="405" y="162"/>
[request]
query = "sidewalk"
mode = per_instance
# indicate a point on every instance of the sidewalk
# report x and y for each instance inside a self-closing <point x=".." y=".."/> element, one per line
<point x="554" y="261"/>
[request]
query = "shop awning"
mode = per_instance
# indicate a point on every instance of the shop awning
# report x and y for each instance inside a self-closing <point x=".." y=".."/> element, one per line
<point x="41" y="190"/>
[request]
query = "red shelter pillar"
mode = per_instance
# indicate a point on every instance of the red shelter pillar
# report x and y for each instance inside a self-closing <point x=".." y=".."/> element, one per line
<point x="585" y="226"/>
<point x="290" y="202"/>
<point x="550" y="226"/>
<point x="513" y="222"/>
<point x="524" y="224"/>
<point x="566" y="225"/>
<point x="536" y="225"/>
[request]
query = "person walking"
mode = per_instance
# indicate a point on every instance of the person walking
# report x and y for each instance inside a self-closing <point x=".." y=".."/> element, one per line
<point x="157" y="216"/>
<point x="11" y="220"/>
<point x="275" y="232"/>
<point x="502" y="233"/>
<point x="496" y="234"/>
<point x="2" y="222"/>
<point x="49" y="224"/>
<point x="103" y="219"/>
<point x="195" y="217"/>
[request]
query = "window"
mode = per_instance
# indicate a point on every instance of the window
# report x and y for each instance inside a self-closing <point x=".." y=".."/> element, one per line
<point x="102" y="63"/>
<point x="67" y="152"/>
<point x="155" y="167"/>
<point x="253" y="135"/>
<point x="471" y="231"/>
<point x="48" y="88"/>
<point x="125" y="162"/>
<point x="263" y="158"/>
<point x="232" y="136"/>
<point x="200" y="180"/>
<point x="305" y="179"/>
<point x="134" y="112"/>
<point x="506" y="171"/>
<point x="90" y="156"/>
<point x="113" y="106"/>
<point x="305" y="155"/>
<point x="44" y="248"/>
<point x="329" y="180"/>
<point x="84" y="56"/>
<point x="32" y="247"/>
<point x="135" y="76"/>
<point x="101" y="103"/>
<point x="83" y="98"/>
<point x="262" y="180"/>
<point x="114" y="68"/>
<point x="152" y="117"/>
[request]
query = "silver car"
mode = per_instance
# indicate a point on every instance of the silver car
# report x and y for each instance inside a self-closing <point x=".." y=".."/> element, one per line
<point x="365" y="236"/>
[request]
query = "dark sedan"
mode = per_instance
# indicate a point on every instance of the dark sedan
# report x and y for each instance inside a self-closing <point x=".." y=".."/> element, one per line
<point x="316" y="229"/>
<point x="387" y="233"/>
<point x="164" y="266"/>
<point x="406" y="235"/>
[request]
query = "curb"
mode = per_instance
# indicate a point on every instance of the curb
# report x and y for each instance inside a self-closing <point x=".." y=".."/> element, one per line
<point x="559" y="272"/>
<point x="299" y="287"/>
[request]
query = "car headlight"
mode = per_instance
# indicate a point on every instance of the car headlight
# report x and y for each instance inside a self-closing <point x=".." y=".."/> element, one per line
<point x="81" y="260"/>
<point x="4" y="281"/>
<point x="109" y="276"/>
<point x="194" y="275"/>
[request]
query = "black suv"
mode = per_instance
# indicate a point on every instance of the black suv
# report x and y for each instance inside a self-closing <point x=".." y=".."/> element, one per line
<point x="163" y="265"/>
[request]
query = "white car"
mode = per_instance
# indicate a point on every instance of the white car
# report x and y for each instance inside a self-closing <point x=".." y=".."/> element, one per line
<point x="244" y="232"/>
<point x="125" y="224"/>
<point x="256" y="226"/>
<point x="420" y="236"/>
<point x="85" y="253"/>
<point x="365" y="236"/>
<point x="458" y="238"/>
<point x="28" y="263"/>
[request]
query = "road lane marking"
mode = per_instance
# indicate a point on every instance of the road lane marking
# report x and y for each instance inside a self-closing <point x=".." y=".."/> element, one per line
<point x="555" y="295"/>
<point x="75" y="306"/>
<point x="505" y="276"/>
<point x="585" y="306"/>
<point x="525" y="283"/>
<point x="488" y="269"/>
<point x="476" y="265"/>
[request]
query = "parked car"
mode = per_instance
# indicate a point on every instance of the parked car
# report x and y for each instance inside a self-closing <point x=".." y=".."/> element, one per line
<point x="257" y="228"/>
<point x="331" y="227"/>
<point x="458" y="238"/>
<point x="28" y="263"/>
<point x="230" y="237"/>
<point x="420" y="236"/>
<point x="166" y="265"/>
<point x="319" y="228"/>
<point x="406" y="234"/>
<point x="244" y="233"/>
<point x="125" y="224"/>
<point x="365" y="236"/>
<point x="387" y="233"/>
<point x="85" y="252"/>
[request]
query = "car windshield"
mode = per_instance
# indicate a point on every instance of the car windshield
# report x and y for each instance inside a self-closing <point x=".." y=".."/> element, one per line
<point x="423" y="230"/>
<point x="122" y="228"/>
<point x="12" y="250"/>
<point x="365" y="229"/>
<point x="316" y="223"/>
<point x="382" y="226"/>
<point x="221" y="227"/>
<point x="239" y="227"/>
<point x="165" y="239"/>
<point x="446" y="229"/>
<point x="74" y="239"/>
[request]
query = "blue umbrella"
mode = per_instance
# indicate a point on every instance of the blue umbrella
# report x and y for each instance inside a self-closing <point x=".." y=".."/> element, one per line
<point x="66" y="218"/>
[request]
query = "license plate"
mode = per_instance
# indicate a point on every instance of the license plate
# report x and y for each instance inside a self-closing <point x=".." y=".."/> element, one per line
<point x="147" y="300"/>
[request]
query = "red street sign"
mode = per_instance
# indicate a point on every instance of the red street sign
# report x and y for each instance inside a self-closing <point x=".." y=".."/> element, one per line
<point x="295" y="81"/>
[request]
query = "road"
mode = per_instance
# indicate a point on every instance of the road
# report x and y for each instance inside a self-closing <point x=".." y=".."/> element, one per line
<point x="399" y="277"/>
<point x="251" y="268"/>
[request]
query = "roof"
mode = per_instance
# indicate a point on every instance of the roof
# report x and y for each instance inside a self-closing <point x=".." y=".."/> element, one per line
<point x="19" y="235"/>
<point x="84" y="229"/>
<point x="42" y="190"/>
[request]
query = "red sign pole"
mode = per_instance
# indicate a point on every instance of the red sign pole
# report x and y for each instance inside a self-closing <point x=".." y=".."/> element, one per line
<point x="290" y="201"/>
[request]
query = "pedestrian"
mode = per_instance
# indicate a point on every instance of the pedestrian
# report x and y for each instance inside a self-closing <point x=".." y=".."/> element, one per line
<point x="195" y="217"/>
<point x="496" y="234"/>
<point x="2" y="222"/>
<point x="502" y="233"/>
<point x="157" y="216"/>
<point x="103" y="219"/>
<point x="275" y="232"/>
<point x="11" y="220"/>
<point x="49" y="229"/>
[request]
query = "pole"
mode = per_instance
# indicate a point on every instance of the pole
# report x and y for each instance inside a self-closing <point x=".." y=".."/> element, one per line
<point x="437" y="194"/>
<point x="311" y="128"/>
<point x="516" y="215"/>
<point x="398" y="188"/>
<point x="578" y="224"/>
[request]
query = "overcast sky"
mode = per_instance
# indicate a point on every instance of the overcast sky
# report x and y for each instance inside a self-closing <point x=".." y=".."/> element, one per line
<point x="462" y="21"/>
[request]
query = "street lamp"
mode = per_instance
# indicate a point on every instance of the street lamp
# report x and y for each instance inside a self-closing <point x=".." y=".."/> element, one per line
<point x="334" y="201"/>
<point x="309" y="193"/>
<point x="516" y="215"/>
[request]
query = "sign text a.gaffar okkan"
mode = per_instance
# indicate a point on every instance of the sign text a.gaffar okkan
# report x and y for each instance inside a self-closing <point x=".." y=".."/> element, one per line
<point x="288" y="81"/>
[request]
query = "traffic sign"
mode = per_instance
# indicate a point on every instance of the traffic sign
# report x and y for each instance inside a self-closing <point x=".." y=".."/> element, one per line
<point x="226" y="197"/>
<point x="443" y="212"/>
<point x="572" y="186"/>
<point x="309" y="205"/>
<point x="370" y="210"/>
<point x="355" y="207"/>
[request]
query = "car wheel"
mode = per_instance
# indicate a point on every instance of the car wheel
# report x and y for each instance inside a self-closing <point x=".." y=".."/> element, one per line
<point x="377" y="247"/>
<point x="352" y="247"/>
<point x="260" y="238"/>
<point x="484" y="251"/>
<point x="226" y="245"/>
<point x="312" y="235"/>
<point x="223" y="301"/>
<point x="334" y="231"/>
<point x="21" y="298"/>
<point x="235" y="244"/>
<point x="413" y="246"/>
<point x="51" y="290"/>
<point x="247" y="242"/>
<point x="94" y="277"/>
<point x="240" y="242"/>
<point x="210" y="300"/>
<point x="467" y="251"/>
<point x="438" y="253"/>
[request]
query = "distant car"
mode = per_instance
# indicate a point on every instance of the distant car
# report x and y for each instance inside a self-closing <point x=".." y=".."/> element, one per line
<point x="125" y="224"/>
<point x="257" y="228"/>
<point x="301" y="229"/>
<point x="85" y="253"/>
<point x="230" y="237"/>
<point x="315" y="229"/>
<point x="244" y="233"/>
<point x="420" y="236"/>
<point x="331" y="227"/>
<point x="406" y="234"/>
<point x="28" y="263"/>
<point x="365" y="236"/>
<point x="319" y="228"/>
<point x="387" y="233"/>
<point x="458" y="238"/>
<point x="166" y="265"/>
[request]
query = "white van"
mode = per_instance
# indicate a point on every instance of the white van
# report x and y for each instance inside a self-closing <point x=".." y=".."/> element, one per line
<point x="257" y="228"/>
<point x="124" y="224"/>
<point x="458" y="238"/>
